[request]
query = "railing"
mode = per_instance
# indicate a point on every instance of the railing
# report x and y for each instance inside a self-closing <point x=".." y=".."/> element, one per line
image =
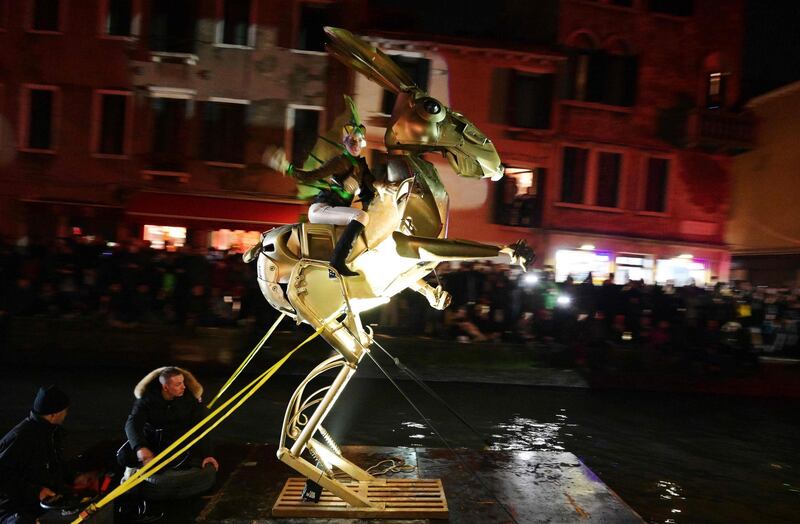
<point x="720" y="130"/>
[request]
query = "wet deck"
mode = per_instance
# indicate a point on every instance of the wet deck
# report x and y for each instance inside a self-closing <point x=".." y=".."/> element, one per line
<point x="533" y="486"/>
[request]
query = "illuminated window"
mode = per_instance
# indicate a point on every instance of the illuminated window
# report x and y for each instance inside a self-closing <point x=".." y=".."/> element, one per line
<point x="715" y="90"/>
<point x="629" y="267"/>
<point x="682" y="271"/>
<point x="578" y="263"/>
<point x="164" y="237"/>
<point x="236" y="241"/>
<point x="518" y="198"/>
<point x="573" y="174"/>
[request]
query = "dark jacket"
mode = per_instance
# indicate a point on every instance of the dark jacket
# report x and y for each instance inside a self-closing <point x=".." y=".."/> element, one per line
<point x="334" y="172"/>
<point x="31" y="457"/>
<point x="151" y="414"/>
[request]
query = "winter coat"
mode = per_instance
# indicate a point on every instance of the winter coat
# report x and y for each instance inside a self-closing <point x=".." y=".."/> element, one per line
<point x="151" y="413"/>
<point x="31" y="457"/>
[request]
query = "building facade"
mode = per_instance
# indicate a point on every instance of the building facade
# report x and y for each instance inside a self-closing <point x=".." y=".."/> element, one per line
<point x="764" y="227"/>
<point x="618" y="133"/>
<point x="616" y="119"/>
<point x="148" y="118"/>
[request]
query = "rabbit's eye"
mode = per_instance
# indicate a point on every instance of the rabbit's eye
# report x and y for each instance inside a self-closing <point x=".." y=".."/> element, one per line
<point x="432" y="106"/>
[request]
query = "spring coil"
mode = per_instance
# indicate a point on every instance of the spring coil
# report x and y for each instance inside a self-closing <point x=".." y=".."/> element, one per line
<point x="320" y="464"/>
<point x="329" y="440"/>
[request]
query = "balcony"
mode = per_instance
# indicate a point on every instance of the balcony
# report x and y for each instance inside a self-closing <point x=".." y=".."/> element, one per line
<point x="712" y="130"/>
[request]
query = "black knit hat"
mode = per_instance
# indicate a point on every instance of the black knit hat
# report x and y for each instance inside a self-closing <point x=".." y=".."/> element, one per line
<point x="50" y="400"/>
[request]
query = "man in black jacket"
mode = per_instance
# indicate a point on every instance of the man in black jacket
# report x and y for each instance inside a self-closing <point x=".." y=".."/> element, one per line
<point x="161" y="414"/>
<point x="32" y="468"/>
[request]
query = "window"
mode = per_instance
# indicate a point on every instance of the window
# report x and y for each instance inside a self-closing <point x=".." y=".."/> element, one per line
<point x="629" y="266"/>
<point x="164" y="237"/>
<point x="672" y="7"/>
<point x="418" y="69"/>
<point x="715" y="90"/>
<point x="530" y="100"/>
<point x="620" y="72"/>
<point x="118" y="18"/>
<point x="573" y="174"/>
<point x="169" y="133"/>
<point x="608" y="169"/>
<point x="223" y="132"/>
<point x="38" y="118"/>
<point x="173" y="26"/>
<point x="46" y="16"/>
<point x="305" y="130"/>
<point x="518" y="197"/>
<point x="112" y="120"/>
<point x="602" y="76"/>
<point x="3" y="14"/>
<point x="236" y="23"/>
<point x="313" y="17"/>
<point x="579" y="264"/>
<point x="656" y="185"/>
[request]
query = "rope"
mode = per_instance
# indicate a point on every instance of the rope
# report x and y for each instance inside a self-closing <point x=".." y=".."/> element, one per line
<point x="416" y="378"/>
<point x="163" y="459"/>
<point x="446" y="443"/>
<point x="246" y="361"/>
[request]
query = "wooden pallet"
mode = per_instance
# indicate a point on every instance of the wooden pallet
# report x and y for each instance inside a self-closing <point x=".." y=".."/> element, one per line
<point x="392" y="498"/>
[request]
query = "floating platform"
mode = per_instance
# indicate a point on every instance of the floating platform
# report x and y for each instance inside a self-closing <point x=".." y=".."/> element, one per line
<point x="531" y="486"/>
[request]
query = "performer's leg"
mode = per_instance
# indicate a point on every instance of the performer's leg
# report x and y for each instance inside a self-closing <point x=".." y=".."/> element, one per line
<point x="355" y="220"/>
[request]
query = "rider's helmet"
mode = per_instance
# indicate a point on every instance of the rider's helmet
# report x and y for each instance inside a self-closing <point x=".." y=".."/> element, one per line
<point x="354" y="133"/>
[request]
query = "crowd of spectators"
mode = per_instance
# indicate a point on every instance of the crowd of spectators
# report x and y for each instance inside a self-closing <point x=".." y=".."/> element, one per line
<point x="130" y="284"/>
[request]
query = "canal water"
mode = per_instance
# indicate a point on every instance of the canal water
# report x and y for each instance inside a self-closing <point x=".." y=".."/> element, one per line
<point x="673" y="458"/>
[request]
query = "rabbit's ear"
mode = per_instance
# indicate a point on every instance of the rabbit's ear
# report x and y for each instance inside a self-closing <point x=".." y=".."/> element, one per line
<point x="367" y="60"/>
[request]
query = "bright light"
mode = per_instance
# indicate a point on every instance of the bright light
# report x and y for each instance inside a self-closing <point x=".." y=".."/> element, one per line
<point x="161" y="237"/>
<point x="687" y="256"/>
<point x="530" y="278"/>
<point x="563" y="300"/>
<point x="587" y="247"/>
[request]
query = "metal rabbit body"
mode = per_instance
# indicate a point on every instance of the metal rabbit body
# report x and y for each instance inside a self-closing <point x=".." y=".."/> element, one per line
<point x="403" y="242"/>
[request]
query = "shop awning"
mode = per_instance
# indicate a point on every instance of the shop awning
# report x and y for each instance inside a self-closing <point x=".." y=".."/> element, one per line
<point x="175" y="209"/>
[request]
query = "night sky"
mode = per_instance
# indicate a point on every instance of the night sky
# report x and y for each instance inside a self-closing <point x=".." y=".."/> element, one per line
<point x="772" y="46"/>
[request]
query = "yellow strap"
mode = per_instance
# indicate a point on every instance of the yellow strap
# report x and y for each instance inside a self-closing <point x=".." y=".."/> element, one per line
<point x="159" y="462"/>
<point x="246" y="361"/>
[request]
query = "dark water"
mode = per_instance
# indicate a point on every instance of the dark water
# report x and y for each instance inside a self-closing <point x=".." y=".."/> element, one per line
<point x="673" y="458"/>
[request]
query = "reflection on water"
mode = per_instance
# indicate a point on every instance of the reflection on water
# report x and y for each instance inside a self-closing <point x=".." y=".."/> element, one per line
<point x="524" y="434"/>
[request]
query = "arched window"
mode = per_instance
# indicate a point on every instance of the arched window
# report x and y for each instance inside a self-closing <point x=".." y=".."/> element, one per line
<point x="621" y="70"/>
<point x="716" y="80"/>
<point x="582" y="55"/>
